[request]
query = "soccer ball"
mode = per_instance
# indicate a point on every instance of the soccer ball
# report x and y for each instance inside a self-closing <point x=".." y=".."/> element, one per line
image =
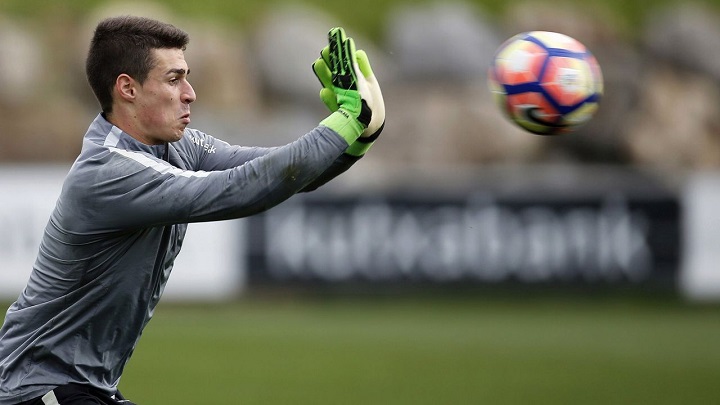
<point x="545" y="82"/>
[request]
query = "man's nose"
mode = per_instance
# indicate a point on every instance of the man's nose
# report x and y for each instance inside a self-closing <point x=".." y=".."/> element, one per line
<point x="189" y="94"/>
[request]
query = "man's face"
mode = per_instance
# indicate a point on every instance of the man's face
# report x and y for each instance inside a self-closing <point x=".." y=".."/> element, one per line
<point x="163" y="100"/>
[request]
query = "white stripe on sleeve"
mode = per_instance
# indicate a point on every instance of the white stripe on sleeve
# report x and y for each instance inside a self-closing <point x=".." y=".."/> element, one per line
<point x="158" y="166"/>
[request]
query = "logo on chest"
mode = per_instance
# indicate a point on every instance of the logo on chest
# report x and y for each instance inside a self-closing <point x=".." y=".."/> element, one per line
<point x="208" y="148"/>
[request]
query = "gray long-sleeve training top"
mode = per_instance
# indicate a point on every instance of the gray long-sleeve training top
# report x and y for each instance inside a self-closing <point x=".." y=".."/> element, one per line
<point x="118" y="225"/>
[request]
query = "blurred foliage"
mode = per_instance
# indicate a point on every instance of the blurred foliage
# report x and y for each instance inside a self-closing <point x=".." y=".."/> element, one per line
<point x="367" y="16"/>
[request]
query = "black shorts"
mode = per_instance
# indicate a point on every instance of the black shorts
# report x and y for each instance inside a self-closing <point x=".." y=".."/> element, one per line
<point x="76" y="394"/>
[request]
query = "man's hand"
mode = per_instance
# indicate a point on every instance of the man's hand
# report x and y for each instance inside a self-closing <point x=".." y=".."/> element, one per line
<point x="345" y="89"/>
<point x="375" y="100"/>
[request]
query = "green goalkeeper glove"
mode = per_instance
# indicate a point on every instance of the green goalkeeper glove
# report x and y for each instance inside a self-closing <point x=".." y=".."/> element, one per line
<point x="341" y="76"/>
<point x="375" y="101"/>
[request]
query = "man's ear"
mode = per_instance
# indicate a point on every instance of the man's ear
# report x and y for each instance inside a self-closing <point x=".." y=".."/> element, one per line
<point x="126" y="87"/>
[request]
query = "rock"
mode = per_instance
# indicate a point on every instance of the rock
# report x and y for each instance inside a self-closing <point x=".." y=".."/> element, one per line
<point x="687" y="35"/>
<point x="440" y="40"/>
<point x="21" y="64"/>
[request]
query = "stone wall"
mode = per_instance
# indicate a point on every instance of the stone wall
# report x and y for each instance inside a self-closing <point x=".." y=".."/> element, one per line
<point x="255" y="85"/>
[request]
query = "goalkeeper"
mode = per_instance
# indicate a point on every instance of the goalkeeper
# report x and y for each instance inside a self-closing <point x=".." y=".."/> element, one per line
<point x="142" y="175"/>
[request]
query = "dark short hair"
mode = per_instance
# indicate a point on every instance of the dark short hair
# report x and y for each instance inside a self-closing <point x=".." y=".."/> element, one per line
<point x="123" y="45"/>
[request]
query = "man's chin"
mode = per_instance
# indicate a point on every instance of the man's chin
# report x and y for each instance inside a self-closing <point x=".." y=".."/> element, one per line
<point x="179" y="134"/>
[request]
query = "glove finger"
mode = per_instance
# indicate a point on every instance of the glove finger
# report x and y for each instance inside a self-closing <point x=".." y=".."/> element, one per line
<point x="364" y="63"/>
<point x="349" y="64"/>
<point x="322" y="72"/>
<point x="342" y="58"/>
<point x="325" y="55"/>
<point x="329" y="98"/>
<point x="336" y="38"/>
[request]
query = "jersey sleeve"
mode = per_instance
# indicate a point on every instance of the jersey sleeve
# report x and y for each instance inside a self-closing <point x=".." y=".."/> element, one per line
<point x="214" y="154"/>
<point x="128" y="189"/>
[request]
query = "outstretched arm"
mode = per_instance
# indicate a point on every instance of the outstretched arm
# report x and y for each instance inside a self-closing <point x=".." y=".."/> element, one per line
<point x="340" y="69"/>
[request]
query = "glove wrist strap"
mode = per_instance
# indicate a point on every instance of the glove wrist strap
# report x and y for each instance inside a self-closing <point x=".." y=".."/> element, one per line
<point x="363" y="144"/>
<point x="345" y="125"/>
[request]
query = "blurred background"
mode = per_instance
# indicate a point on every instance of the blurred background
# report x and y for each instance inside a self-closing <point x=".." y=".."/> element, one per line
<point x="462" y="260"/>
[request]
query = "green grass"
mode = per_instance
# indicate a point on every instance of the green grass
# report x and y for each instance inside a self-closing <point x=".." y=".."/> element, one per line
<point x="429" y="351"/>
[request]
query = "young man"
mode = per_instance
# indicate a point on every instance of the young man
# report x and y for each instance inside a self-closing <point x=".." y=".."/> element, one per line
<point x="141" y="177"/>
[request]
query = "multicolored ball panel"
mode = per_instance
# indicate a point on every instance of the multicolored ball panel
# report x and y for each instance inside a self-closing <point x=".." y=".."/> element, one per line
<point x="545" y="82"/>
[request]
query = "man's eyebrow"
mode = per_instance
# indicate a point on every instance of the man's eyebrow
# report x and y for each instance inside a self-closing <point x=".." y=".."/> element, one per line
<point x="178" y="71"/>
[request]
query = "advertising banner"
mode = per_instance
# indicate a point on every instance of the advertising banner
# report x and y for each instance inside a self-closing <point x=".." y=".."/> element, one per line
<point x="611" y="239"/>
<point x="596" y="239"/>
